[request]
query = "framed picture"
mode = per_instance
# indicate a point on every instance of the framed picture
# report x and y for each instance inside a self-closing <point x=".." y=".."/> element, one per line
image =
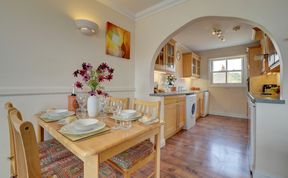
<point x="117" y="41"/>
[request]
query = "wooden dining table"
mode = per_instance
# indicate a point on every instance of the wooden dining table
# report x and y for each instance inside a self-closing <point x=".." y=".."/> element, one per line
<point x="98" y="148"/>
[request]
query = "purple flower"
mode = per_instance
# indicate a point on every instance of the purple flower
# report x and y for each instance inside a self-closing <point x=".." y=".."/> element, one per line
<point x="82" y="72"/>
<point x="101" y="78"/>
<point x="109" y="77"/>
<point x="92" y="93"/>
<point x="86" y="77"/>
<point x="84" y="66"/>
<point x="99" y="92"/>
<point x="111" y="70"/>
<point x="79" y="85"/>
<point x="89" y="66"/>
<point x="76" y="73"/>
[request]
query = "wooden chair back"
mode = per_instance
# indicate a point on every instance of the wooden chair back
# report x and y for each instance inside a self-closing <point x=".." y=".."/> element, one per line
<point x="12" y="157"/>
<point x="26" y="148"/>
<point x="124" y="101"/>
<point x="149" y="108"/>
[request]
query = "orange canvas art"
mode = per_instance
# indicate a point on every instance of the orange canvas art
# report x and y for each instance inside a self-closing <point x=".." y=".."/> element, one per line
<point x="117" y="41"/>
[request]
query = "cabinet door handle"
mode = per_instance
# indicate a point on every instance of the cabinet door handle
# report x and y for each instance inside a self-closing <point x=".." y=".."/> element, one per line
<point x="10" y="157"/>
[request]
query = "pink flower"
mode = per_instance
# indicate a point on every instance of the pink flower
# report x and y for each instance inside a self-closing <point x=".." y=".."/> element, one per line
<point x="79" y="85"/>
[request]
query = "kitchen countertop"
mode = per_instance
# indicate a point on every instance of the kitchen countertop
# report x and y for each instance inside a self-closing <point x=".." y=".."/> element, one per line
<point x="188" y="92"/>
<point x="258" y="98"/>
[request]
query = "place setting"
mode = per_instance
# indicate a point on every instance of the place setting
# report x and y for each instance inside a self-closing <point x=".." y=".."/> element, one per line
<point x="52" y="115"/>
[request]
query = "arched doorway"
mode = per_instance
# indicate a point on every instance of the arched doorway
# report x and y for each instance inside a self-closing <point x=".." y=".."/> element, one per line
<point x="238" y="20"/>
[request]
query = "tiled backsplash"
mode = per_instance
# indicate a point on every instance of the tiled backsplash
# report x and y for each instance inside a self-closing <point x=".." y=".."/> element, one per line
<point x="257" y="82"/>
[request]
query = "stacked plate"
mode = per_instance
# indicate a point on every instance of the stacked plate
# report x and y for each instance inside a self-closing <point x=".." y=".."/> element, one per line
<point x="128" y="115"/>
<point x="82" y="126"/>
<point x="56" y="114"/>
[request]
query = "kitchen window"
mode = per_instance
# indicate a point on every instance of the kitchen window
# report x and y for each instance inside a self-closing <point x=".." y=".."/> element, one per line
<point x="227" y="71"/>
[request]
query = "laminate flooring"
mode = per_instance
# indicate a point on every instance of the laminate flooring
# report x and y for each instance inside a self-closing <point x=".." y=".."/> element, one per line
<point x="216" y="147"/>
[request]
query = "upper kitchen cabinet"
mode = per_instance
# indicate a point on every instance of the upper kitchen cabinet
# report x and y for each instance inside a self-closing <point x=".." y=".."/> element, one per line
<point x="166" y="59"/>
<point x="191" y="65"/>
<point x="254" y="64"/>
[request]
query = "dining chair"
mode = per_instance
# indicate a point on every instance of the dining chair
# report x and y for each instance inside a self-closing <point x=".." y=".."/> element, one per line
<point x="139" y="155"/>
<point x="32" y="160"/>
<point x="124" y="101"/>
<point x="49" y="151"/>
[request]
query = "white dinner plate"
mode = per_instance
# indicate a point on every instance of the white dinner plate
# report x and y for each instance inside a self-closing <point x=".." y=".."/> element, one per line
<point x="72" y="130"/>
<point x="56" y="114"/>
<point x="85" y="124"/>
<point x="135" y="117"/>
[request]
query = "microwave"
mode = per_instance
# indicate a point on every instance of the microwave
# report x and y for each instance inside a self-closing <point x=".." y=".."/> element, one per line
<point x="273" y="59"/>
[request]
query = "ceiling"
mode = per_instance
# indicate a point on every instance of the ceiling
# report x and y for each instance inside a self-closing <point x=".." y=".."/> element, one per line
<point x="137" y="9"/>
<point x="198" y="36"/>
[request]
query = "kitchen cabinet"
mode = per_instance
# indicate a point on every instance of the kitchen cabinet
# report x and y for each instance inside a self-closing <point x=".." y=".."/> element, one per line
<point x="199" y="105"/>
<point x="265" y="66"/>
<point x="174" y="114"/>
<point x="267" y="46"/>
<point x="254" y="64"/>
<point x="166" y="59"/>
<point x="191" y="65"/>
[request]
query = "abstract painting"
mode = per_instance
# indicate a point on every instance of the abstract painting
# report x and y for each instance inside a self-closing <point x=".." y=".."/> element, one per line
<point x="117" y="41"/>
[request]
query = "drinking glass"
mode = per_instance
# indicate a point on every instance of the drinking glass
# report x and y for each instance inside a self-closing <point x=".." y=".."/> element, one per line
<point x="81" y="113"/>
<point x="116" y="108"/>
<point x="82" y="100"/>
<point x="102" y="104"/>
<point x="125" y="124"/>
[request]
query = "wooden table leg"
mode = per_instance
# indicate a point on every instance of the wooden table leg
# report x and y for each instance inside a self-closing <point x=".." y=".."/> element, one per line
<point x="157" y="156"/>
<point x="40" y="134"/>
<point x="91" y="167"/>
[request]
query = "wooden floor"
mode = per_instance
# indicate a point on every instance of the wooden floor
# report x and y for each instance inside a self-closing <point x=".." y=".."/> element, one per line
<point x="216" y="147"/>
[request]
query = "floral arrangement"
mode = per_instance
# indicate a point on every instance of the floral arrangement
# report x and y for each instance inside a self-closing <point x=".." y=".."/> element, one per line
<point x="171" y="79"/>
<point x="93" y="78"/>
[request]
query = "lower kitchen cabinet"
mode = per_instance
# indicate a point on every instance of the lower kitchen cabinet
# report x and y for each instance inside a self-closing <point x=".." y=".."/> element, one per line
<point x="199" y="105"/>
<point x="174" y="114"/>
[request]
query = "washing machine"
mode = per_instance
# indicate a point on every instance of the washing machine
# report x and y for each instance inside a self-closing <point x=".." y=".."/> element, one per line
<point x="190" y="111"/>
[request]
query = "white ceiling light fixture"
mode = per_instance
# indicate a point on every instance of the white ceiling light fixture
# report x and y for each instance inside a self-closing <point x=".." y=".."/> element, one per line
<point x="218" y="33"/>
<point x="87" y="27"/>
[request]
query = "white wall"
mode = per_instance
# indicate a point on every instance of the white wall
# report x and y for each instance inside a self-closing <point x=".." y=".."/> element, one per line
<point x="271" y="141"/>
<point x="40" y="47"/>
<point x="154" y="31"/>
<point x="225" y="101"/>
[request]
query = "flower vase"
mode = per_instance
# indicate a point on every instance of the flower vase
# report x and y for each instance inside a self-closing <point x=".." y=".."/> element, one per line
<point x="92" y="106"/>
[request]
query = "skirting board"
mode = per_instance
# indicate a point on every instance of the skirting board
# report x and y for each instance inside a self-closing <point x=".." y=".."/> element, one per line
<point x="257" y="174"/>
<point x="242" y="116"/>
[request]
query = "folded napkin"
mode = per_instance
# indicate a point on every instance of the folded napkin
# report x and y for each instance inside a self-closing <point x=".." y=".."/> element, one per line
<point x="148" y="120"/>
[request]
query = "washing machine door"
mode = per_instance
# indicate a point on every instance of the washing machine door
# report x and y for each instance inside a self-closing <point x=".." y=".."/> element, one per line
<point x="193" y="109"/>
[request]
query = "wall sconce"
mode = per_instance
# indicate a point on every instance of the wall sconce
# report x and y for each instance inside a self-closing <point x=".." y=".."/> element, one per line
<point x="87" y="27"/>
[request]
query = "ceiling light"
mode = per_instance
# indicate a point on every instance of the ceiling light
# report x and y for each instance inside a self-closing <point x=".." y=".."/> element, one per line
<point x="218" y="33"/>
<point x="87" y="27"/>
<point x="236" y="28"/>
